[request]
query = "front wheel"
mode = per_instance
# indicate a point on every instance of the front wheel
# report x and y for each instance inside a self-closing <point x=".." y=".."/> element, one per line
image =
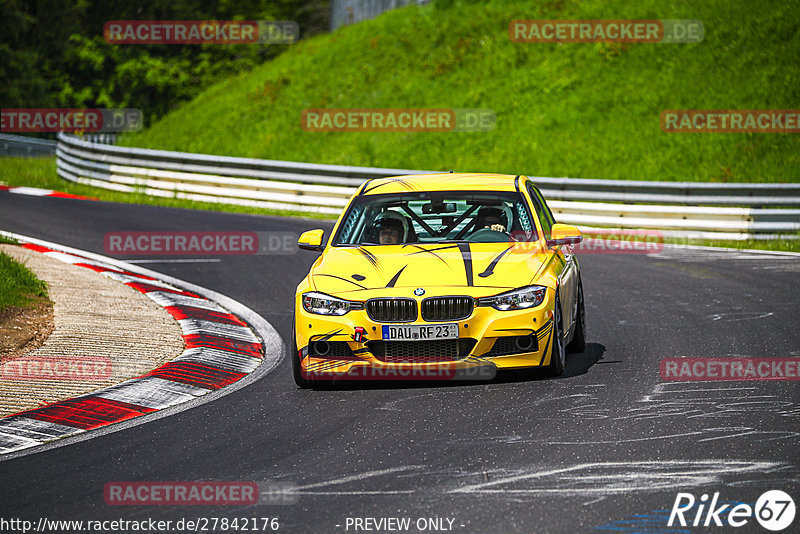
<point x="297" y="370"/>
<point x="557" y="351"/>
<point x="578" y="343"/>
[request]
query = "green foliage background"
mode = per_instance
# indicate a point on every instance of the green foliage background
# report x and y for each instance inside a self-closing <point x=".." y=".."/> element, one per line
<point x="54" y="54"/>
<point x="569" y="109"/>
<point x="563" y="109"/>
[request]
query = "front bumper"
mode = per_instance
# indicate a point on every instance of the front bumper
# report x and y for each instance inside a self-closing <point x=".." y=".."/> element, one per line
<point x="489" y="328"/>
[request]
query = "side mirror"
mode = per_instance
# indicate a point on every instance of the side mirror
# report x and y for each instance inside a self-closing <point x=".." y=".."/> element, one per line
<point x="311" y="240"/>
<point x="564" y="234"/>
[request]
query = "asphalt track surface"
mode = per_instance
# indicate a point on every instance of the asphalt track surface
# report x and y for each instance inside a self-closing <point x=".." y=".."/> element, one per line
<point x="607" y="446"/>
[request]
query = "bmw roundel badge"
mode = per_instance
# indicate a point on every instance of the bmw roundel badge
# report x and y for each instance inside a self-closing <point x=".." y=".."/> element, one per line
<point x="419" y="292"/>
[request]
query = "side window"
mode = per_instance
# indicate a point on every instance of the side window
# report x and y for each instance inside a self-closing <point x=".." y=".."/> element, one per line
<point x="350" y="225"/>
<point x="547" y="212"/>
<point x="523" y="222"/>
<point x="542" y="211"/>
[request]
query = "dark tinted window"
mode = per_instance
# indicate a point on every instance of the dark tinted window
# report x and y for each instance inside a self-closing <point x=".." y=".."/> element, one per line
<point x="432" y="217"/>
<point x="546" y="218"/>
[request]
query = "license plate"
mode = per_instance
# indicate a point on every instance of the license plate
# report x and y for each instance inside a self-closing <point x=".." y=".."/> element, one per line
<point x="420" y="332"/>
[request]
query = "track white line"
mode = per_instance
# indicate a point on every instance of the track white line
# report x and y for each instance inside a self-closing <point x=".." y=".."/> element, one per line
<point x="187" y="260"/>
<point x="360" y="476"/>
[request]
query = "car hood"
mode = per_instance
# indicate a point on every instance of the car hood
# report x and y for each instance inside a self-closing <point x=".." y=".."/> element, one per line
<point x="480" y="268"/>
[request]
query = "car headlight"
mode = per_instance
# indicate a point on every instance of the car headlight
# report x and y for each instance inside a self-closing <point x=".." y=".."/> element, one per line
<point x="323" y="304"/>
<point x="519" y="299"/>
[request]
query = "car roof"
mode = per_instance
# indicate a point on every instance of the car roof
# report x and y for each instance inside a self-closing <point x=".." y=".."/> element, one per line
<point x="440" y="182"/>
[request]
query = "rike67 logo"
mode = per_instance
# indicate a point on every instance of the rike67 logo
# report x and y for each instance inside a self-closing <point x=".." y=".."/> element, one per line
<point x="774" y="510"/>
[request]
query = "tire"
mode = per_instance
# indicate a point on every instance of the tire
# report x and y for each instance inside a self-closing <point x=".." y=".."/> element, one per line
<point x="578" y="343"/>
<point x="558" y="353"/>
<point x="297" y="371"/>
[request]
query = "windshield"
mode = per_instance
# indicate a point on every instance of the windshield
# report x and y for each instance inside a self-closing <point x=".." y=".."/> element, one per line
<point x="435" y="217"/>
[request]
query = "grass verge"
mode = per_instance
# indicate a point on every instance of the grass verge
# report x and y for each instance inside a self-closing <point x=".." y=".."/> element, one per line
<point x="19" y="287"/>
<point x="780" y="245"/>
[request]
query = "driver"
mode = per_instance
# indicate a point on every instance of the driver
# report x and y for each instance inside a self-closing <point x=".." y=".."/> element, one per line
<point x="391" y="228"/>
<point x="491" y="218"/>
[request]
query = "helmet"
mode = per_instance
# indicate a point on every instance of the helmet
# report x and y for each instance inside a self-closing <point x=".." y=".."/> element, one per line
<point x="393" y="220"/>
<point x="491" y="211"/>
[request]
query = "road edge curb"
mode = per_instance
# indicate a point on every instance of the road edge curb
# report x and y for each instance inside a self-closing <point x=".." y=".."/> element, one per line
<point x="273" y="350"/>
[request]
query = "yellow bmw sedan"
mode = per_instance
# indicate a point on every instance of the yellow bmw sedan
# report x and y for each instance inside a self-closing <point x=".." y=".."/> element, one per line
<point x="439" y="276"/>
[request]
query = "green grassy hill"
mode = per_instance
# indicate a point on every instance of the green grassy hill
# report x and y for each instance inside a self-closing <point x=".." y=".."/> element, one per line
<point x="580" y="110"/>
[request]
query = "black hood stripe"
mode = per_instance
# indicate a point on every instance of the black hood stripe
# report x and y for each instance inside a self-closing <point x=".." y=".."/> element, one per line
<point x="411" y="186"/>
<point x="466" y="254"/>
<point x="429" y="251"/>
<point x="437" y="249"/>
<point x="393" y="281"/>
<point x="371" y="258"/>
<point x="490" y="268"/>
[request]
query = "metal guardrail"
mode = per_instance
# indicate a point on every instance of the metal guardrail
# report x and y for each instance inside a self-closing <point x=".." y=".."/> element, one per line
<point x="20" y="146"/>
<point x="346" y="12"/>
<point x="678" y="209"/>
